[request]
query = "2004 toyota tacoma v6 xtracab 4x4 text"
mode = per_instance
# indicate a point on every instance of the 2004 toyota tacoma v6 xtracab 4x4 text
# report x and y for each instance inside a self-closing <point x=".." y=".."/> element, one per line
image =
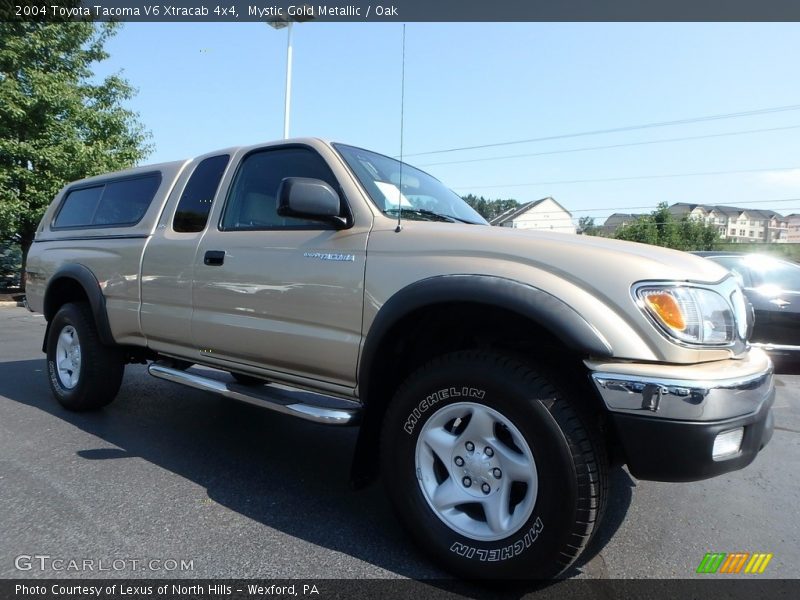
<point x="495" y="373"/>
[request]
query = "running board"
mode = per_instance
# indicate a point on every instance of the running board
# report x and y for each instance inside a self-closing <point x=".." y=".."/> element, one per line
<point x="296" y="403"/>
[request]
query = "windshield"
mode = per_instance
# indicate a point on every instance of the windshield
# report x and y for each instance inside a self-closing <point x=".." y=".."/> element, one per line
<point x="422" y="197"/>
<point x="769" y="272"/>
<point x="763" y="273"/>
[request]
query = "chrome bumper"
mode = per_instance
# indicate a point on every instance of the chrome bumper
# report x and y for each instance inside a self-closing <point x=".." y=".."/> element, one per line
<point x="668" y="418"/>
<point x="683" y="400"/>
<point x="702" y="394"/>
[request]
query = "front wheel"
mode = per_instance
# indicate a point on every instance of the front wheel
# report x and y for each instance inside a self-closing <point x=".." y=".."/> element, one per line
<point x="491" y="468"/>
<point x="84" y="374"/>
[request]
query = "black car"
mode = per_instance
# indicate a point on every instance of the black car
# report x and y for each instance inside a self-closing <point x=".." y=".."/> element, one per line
<point x="773" y="288"/>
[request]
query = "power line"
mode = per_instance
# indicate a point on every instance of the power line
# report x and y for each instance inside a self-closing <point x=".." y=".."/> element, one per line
<point x="747" y="113"/>
<point x="611" y="146"/>
<point x="630" y="178"/>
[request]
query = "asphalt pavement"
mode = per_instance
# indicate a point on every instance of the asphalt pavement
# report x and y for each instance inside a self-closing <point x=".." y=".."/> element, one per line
<point x="168" y="475"/>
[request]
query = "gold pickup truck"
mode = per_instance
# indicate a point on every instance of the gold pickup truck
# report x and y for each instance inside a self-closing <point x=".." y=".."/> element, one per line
<point x="494" y="373"/>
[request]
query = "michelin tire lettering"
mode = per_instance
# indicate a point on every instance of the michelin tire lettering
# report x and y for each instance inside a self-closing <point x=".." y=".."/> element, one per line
<point x="510" y="551"/>
<point x="431" y="399"/>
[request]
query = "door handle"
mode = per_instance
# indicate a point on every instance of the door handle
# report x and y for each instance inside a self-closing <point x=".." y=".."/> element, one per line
<point x="214" y="258"/>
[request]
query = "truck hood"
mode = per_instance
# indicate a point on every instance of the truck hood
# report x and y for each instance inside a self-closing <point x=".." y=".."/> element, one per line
<point x="588" y="261"/>
<point x="593" y="255"/>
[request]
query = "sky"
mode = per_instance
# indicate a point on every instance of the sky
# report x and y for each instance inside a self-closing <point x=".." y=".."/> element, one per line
<point x="203" y="86"/>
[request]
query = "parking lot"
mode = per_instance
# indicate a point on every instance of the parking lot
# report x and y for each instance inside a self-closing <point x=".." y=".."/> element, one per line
<point x="167" y="473"/>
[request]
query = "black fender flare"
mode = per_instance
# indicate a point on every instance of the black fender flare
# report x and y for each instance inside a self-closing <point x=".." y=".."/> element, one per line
<point x="91" y="287"/>
<point x="541" y="307"/>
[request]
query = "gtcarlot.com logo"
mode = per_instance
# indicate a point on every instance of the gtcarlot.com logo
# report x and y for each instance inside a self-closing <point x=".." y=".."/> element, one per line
<point x="45" y="562"/>
<point x="734" y="562"/>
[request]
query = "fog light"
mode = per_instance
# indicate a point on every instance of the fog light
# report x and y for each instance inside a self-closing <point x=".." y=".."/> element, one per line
<point x="727" y="444"/>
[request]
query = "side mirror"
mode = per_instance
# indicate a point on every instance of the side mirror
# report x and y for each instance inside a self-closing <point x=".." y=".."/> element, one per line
<point x="312" y="199"/>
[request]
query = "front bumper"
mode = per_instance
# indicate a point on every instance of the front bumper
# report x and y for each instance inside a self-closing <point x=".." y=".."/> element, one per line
<point x="667" y="417"/>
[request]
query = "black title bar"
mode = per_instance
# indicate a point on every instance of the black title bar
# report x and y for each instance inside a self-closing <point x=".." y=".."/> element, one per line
<point x="400" y="10"/>
<point x="708" y="588"/>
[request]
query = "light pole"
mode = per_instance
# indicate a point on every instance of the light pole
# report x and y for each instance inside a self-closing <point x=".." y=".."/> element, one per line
<point x="280" y="23"/>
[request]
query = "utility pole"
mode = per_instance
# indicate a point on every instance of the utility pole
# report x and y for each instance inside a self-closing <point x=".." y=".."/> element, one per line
<point x="280" y="23"/>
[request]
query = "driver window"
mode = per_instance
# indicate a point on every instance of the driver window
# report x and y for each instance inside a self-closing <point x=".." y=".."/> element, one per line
<point x="252" y="201"/>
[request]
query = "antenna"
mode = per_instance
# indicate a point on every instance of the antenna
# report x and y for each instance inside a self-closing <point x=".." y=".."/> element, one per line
<point x="402" y="105"/>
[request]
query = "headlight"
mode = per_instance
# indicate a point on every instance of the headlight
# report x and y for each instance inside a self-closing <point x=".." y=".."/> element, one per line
<point x="690" y="314"/>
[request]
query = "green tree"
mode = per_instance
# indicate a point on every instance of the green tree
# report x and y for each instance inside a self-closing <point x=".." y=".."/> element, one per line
<point x="661" y="228"/>
<point x="489" y="209"/>
<point x="586" y="226"/>
<point x="58" y="122"/>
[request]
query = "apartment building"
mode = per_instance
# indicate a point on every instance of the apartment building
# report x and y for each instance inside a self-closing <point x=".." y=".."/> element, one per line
<point x="738" y="224"/>
<point x="793" y="233"/>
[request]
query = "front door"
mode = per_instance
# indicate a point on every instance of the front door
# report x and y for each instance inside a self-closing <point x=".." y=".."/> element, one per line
<point x="274" y="292"/>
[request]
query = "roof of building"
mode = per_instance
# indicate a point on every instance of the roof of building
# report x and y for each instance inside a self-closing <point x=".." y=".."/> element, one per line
<point x="685" y="207"/>
<point x="512" y="213"/>
<point x="618" y="219"/>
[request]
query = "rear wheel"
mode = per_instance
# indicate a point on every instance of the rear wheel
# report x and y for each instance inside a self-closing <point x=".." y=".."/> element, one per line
<point x="491" y="468"/>
<point x="84" y="374"/>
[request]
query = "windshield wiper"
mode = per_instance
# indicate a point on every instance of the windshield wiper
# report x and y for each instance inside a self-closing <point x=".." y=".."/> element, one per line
<point x="424" y="212"/>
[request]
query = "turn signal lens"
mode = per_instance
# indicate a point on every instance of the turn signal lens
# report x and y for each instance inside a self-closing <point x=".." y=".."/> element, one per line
<point x="690" y="314"/>
<point x="667" y="309"/>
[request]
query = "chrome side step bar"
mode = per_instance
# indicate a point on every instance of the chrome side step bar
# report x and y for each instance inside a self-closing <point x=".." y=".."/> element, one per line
<point x="289" y="402"/>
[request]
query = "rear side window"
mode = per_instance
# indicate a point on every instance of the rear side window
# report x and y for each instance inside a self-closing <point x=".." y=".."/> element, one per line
<point x="112" y="204"/>
<point x="78" y="207"/>
<point x="195" y="203"/>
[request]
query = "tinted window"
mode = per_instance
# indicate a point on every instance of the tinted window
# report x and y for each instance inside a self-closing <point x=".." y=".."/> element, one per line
<point x="125" y="202"/>
<point x="195" y="202"/>
<point x="252" y="201"/>
<point x="112" y="204"/>
<point x="78" y="207"/>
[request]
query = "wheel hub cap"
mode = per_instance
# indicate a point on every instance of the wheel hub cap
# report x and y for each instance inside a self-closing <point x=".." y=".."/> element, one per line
<point x="479" y="468"/>
<point x="476" y="471"/>
<point x="68" y="357"/>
